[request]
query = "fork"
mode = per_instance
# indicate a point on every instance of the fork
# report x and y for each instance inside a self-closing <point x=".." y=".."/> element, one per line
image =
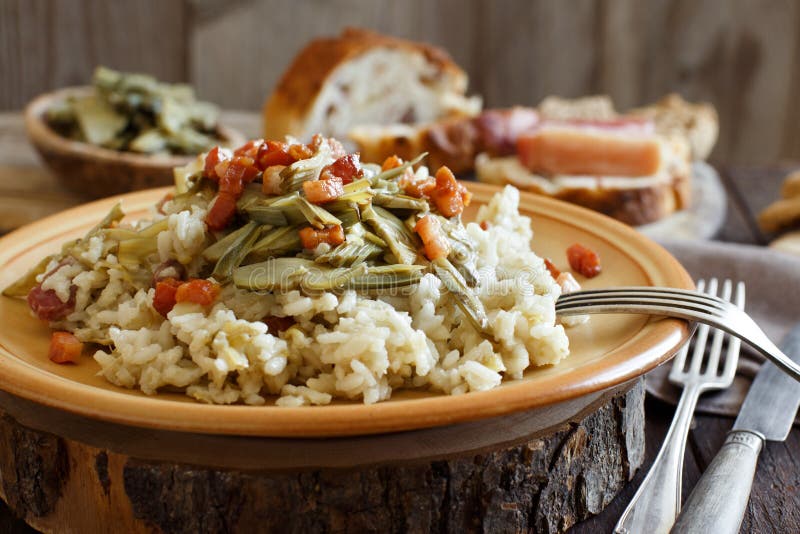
<point x="681" y="303"/>
<point x="657" y="502"/>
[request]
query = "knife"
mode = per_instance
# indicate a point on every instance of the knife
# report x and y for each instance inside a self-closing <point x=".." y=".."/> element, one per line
<point x="719" y="500"/>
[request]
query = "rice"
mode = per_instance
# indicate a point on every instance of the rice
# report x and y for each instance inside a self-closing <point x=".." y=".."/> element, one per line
<point x="343" y="345"/>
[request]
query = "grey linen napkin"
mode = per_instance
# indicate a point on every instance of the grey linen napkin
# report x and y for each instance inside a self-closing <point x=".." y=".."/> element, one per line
<point x="772" y="280"/>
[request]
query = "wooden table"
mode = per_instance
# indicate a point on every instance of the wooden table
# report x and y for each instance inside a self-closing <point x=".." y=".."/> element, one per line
<point x="28" y="192"/>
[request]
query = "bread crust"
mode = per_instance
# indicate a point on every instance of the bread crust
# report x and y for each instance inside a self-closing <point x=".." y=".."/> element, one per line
<point x="286" y="109"/>
<point x="634" y="205"/>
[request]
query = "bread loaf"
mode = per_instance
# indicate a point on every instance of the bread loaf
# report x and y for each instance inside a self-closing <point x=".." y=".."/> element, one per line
<point x="674" y="116"/>
<point x="362" y="77"/>
<point x="632" y="201"/>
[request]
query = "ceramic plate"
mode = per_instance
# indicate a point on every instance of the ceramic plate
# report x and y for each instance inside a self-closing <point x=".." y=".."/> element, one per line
<point x="608" y="350"/>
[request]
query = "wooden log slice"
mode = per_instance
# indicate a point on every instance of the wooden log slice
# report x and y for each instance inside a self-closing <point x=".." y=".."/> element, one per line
<point x="539" y="471"/>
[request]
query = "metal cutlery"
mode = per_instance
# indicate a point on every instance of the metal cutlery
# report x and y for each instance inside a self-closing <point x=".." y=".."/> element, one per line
<point x="718" y="501"/>
<point x="657" y="502"/>
<point x="681" y="303"/>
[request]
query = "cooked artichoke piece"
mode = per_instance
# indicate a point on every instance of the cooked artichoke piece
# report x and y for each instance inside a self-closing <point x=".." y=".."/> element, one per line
<point x="98" y="120"/>
<point x="317" y="216"/>
<point x="22" y="287"/>
<point x="402" y="243"/>
<point x="391" y="174"/>
<point x="350" y="253"/>
<point x="113" y="216"/>
<point x="400" y="202"/>
<point x="283" y="240"/>
<point x="236" y="252"/>
<point x="385" y="277"/>
<point x="269" y="215"/>
<point x="149" y="142"/>
<point x="186" y="177"/>
<point x="469" y="303"/>
<point x="326" y="279"/>
<point x="133" y="252"/>
<point x="154" y="229"/>
<point x="282" y="274"/>
<point x="349" y="216"/>
<point x="214" y="252"/>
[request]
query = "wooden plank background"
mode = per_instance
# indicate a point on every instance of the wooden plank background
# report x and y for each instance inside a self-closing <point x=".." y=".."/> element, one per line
<point x="742" y="55"/>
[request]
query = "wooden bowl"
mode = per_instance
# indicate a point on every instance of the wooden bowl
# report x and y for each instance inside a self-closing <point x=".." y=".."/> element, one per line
<point x="96" y="172"/>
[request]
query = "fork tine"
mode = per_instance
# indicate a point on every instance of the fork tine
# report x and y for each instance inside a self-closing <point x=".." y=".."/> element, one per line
<point x="734" y="343"/>
<point x="702" y="336"/>
<point x="719" y="335"/>
<point x="679" y="364"/>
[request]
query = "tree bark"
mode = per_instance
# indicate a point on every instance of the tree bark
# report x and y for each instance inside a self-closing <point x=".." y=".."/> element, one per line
<point x="543" y="484"/>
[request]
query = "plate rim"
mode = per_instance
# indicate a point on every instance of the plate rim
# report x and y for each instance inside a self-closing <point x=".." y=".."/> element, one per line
<point x="632" y="359"/>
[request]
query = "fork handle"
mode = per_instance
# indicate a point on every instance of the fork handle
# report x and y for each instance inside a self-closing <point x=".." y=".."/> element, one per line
<point x="718" y="502"/>
<point x="658" y="500"/>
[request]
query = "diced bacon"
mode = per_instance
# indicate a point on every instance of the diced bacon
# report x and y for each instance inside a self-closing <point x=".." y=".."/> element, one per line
<point x="567" y="283"/>
<point x="591" y="148"/>
<point x="311" y="238"/>
<point x="347" y="168"/>
<point x="300" y="151"/>
<point x="249" y="149"/>
<point x="554" y="272"/>
<point x="416" y="187"/>
<point x="485" y="225"/>
<point x="164" y="297"/>
<point x="336" y="148"/>
<point x="198" y="291"/>
<point x="271" y="180"/>
<point x="435" y="242"/>
<point x="584" y="260"/>
<point x="391" y="162"/>
<point x="234" y="174"/>
<point x="221" y="213"/>
<point x="274" y="153"/>
<point x="277" y="324"/>
<point x="65" y="348"/>
<point x="449" y="195"/>
<point x="214" y="157"/>
<point x="47" y="306"/>
<point x="322" y="191"/>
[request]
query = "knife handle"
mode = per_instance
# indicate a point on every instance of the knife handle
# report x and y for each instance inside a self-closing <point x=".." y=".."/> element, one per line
<point x="719" y="500"/>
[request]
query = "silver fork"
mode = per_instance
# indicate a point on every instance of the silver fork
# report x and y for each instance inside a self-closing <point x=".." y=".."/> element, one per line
<point x="657" y="502"/>
<point x="681" y="303"/>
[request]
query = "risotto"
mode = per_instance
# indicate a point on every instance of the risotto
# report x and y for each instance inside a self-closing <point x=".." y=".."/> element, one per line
<point x="295" y="274"/>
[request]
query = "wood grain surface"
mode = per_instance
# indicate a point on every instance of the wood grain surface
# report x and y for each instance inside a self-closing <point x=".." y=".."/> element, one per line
<point x="742" y="55"/>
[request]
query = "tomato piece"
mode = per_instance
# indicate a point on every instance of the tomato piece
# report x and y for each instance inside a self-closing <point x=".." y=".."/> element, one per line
<point x="249" y="149"/>
<point x="434" y="241"/>
<point x="276" y="324"/>
<point x="449" y="195"/>
<point x="164" y="297"/>
<point x="554" y="272"/>
<point x="47" y="306"/>
<point x="391" y="162"/>
<point x="311" y="238"/>
<point x="321" y="191"/>
<point x="347" y="168"/>
<point x="214" y="157"/>
<point x="274" y="153"/>
<point x="198" y="291"/>
<point x="221" y="212"/>
<point x="65" y="348"/>
<point x="584" y="260"/>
